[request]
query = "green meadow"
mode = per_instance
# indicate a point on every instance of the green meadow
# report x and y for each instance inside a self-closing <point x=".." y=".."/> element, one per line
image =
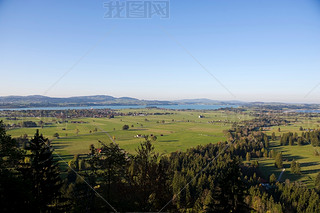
<point x="175" y="131"/>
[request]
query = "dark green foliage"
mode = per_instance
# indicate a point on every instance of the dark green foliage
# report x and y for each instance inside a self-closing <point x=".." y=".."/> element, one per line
<point x="273" y="137"/>
<point x="248" y="156"/>
<point x="125" y="127"/>
<point x="290" y="141"/>
<point x="14" y="194"/>
<point x="295" y="167"/>
<point x="272" y="178"/>
<point x="278" y="161"/>
<point x="284" y="197"/>
<point x="299" y="141"/>
<point x="317" y="182"/>
<point x="42" y="173"/>
<point x="29" y="124"/>
<point x="266" y="141"/>
<point x="298" y="168"/>
<point x="80" y="197"/>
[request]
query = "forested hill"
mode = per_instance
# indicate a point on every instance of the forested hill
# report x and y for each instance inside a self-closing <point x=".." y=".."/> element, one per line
<point x="44" y="101"/>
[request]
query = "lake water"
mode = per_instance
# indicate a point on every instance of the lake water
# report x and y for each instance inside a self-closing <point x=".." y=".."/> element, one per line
<point x="192" y="107"/>
<point x="308" y="110"/>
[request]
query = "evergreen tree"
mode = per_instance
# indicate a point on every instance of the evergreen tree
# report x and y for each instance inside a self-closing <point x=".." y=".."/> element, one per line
<point x="272" y="178"/>
<point x="299" y="141"/>
<point x="315" y="141"/>
<point x="278" y="161"/>
<point x="43" y="174"/>
<point x="149" y="178"/>
<point x="298" y="168"/>
<point x="248" y="156"/>
<point x="208" y="202"/>
<point x="293" y="167"/>
<point x="80" y="196"/>
<point x="273" y="137"/>
<point x="272" y="154"/>
<point x="14" y="193"/>
<point x="111" y="162"/>
<point x="317" y="182"/>
<point x="290" y="141"/>
<point x="266" y="141"/>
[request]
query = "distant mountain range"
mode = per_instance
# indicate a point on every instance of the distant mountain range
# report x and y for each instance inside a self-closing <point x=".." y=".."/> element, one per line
<point x="96" y="100"/>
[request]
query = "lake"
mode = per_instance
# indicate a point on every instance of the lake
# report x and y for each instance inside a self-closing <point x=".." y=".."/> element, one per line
<point x="192" y="107"/>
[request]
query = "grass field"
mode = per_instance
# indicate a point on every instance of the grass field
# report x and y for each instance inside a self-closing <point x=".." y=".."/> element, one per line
<point x="181" y="130"/>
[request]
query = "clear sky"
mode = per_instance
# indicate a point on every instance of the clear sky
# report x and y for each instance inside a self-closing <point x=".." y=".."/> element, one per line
<point x="267" y="50"/>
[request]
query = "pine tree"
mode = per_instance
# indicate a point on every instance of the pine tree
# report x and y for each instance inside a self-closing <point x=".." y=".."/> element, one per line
<point x="317" y="182"/>
<point x="43" y="174"/>
<point x="315" y="141"/>
<point x="278" y="161"/>
<point x="266" y="141"/>
<point x="207" y="204"/>
<point x="248" y="156"/>
<point x="298" y="168"/>
<point x="80" y="195"/>
<point x="272" y="154"/>
<point x="14" y="192"/>
<point x="293" y="167"/>
<point x="290" y="141"/>
<point x="273" y="137"/>
<point x="281" y="140"/>
<point x="188" y="196"/>
<point x="272" y="178"/>
<point x="295" y="137"/>
<point x="299" y="141"/>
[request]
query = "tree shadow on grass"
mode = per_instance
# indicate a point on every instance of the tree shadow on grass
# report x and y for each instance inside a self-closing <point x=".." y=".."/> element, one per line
<point x="266" y="169"/>
<point x="138" y="129"/>
<point x="58" y="146"/>
<point x="309" y="164"/>
<point x="63" y="161"/>
<point x="310" y="171"/>
<point x="289" y="157"/>
<point x="168" y="141"/>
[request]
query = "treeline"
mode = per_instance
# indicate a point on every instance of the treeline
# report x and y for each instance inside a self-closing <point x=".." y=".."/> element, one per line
<point x="284" y="197"/>
<point x="30" y="179"/>
<point x="149" y="182"/>
<point x="309" y="137"/>
<point x="74" y="113"/>
<point x="261" y="122"/>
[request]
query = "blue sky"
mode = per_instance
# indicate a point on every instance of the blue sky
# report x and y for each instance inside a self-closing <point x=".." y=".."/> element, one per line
<point x="266" y="50"/>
